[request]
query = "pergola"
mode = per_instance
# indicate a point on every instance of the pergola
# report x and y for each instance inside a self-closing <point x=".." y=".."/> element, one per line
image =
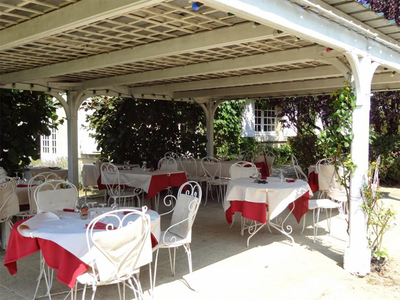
<point x="227" y="49"/>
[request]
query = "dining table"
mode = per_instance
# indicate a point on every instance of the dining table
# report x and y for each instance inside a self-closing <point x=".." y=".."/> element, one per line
<point x="152" y="182"/>
<point x="264" y="200"/>
<point x="61" y="237"/>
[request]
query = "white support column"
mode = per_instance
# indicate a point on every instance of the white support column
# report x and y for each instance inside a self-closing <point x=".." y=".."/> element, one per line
<point x="72" y="125"/>
<point x="357" y="257"/>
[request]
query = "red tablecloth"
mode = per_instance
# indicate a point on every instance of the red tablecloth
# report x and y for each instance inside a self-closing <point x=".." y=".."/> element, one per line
<point x="68" y="265"/>
<point x="313" y="181"/>
<point x="163" y="181"/>
<point x="258" y="211"/>
<point x="263" y="168"/>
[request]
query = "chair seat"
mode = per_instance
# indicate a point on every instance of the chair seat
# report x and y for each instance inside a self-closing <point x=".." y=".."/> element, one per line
<point x="322" y="203"/>
<point x="171" y="240"/>
<point x="88" y="277"/>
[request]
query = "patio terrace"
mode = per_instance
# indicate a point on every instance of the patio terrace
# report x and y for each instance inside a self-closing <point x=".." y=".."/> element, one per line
<point x="223" y="268"/>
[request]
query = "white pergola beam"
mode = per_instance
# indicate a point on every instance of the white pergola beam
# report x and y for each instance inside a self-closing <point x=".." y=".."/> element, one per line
<point x="66" y="18"/>
<point x="280" y="76"/>
<point x="242" y="33"/>
<point x="227" y="65"/>
<point x="300" y="87"/>
<point x="305" y="24"/>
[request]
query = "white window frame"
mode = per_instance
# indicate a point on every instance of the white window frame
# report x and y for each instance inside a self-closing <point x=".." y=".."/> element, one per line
<point x="49" y="143"/>
<point x="261" y="121"/>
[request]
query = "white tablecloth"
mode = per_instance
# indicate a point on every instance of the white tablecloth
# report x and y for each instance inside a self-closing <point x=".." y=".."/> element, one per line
<point x="68" y="231"/>
<point x="275" y="193"/>
<point x="136" y="177"/>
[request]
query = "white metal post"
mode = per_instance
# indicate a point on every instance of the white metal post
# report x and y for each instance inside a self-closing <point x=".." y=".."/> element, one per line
<point x="357" y="257"/>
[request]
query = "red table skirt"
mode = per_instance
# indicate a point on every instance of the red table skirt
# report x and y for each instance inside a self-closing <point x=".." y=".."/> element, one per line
<point x="69" y="267"/>
<point x="258" y="211"/>
<point x="163" y="181"/>
<point x="158" y="183"/>
<point x="313" y="182"/>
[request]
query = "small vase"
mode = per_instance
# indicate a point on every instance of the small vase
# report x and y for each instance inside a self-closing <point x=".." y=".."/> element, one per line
<point x="84" y="214"/>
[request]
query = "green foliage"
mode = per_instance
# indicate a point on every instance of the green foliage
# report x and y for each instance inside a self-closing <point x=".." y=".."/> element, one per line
<point x="385" y="112"/>
<point x="24" y="116"/>
<point x="228" y="127"/>
<point x="143" y="130"/>
<point x="379" y="217"/>
<point x="388" y="146"/>
<point x="335" y="140"/>
<point x="304" y="147"/>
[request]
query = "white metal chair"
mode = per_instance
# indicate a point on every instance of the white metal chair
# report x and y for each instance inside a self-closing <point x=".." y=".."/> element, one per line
<point x="246" y="155"/>
<point x="116" y="189"/>
<point x="118" y="252"/>
<point x="269" y="158"/>
<point x="33" y="183"/>
<point x="55" y="195"/>
<point x="327" y="180"/>
<point x="168" y="164"/>
<point x="212" y="169"/>
<point x="9" y="206"/>
<point x="172" y="154"/>
<point x="191" y="167"/>
<point x="243" y="169"/>
<point x="184" y="210"/>
<point x="297" y="169"/>
<point x="49" y="196"/>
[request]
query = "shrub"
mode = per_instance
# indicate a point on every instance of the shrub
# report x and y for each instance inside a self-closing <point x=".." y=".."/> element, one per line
<point x="388" y="146"/>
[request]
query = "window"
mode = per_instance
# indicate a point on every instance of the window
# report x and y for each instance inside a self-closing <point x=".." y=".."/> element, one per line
<point x="265" y="120"/>
<point x="49" y="143"/>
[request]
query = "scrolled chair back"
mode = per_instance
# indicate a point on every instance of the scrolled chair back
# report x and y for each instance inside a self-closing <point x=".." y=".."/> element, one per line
<point x="168" y="164"/>
<point x="9" y="205"/>
<point x="55" y="195"/>
<point x="122" y="247"/>
<point x="184" y="209"/>
<point x="297" y="169"/>
<point x="211" y="167"/>
<point x="243" y="169"/>
<point x="33" y="183"/>
<point x="189" y="165"/>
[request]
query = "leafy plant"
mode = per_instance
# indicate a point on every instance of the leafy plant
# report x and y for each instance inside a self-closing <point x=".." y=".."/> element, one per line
<point x="379" y="217"/>
<point x="143" y="130"/>
<point x="334" y="142"/>
<point x="24" y="117"/>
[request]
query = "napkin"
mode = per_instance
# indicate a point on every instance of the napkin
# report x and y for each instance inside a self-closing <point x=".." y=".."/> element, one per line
<point x="100" y="225"/>
<point x="22" y="185"/>
<point x="291" y="180"/>
<point x="69" y="210"/>
<point x="35" y="222"/>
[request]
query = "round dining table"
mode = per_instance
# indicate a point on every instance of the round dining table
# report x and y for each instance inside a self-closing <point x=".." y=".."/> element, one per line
<point x="61" y="236"/>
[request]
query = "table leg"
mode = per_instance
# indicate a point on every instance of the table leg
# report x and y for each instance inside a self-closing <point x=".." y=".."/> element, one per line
<point x="280" y="225"/>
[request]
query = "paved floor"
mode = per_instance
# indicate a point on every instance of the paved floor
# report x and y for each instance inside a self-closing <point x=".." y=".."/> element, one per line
<point x="224" y="268"/>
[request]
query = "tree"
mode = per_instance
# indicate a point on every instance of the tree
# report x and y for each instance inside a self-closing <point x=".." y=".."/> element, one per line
<point x="143" y="130"/>
<point x="24" y="117"/>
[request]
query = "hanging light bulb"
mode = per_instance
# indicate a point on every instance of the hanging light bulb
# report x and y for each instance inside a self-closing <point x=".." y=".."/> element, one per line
<point x="296" y="39"/>
<point x="196" y="5"/>
<point x="231" y="14"/>
<point x="255" y="24"/>
<point x="328" y="50"/>
<point x="393" y="73"/>
<point x="277" y="32"/>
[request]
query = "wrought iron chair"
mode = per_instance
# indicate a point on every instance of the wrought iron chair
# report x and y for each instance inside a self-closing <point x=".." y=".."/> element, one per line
<point x="167" y="164"/>
<point x="246" y="155"/>
<point x="116" y="189"/>
<point x="172" y="154"/>
<point x="212" y="169"/>
<point x="191" y="167"/>
<point x="33" y="183"/>
<point x="118" y="251"/>
<point x="297" y="169"/>
<point x="243" y="169"/>
<point x="9" y="207"/>
<point x="184" y="210"/>
<point x="327" y="180"/>
<point x="55" y="195"/>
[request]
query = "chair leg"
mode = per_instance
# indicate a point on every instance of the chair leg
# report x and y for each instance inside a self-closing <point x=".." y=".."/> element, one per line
<point x="189" y="254"/>
<point x="304" y="223"/>
<point x="172" y="260"/>
<point x="153" y="284"/>
<point x="315" y="224"/>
